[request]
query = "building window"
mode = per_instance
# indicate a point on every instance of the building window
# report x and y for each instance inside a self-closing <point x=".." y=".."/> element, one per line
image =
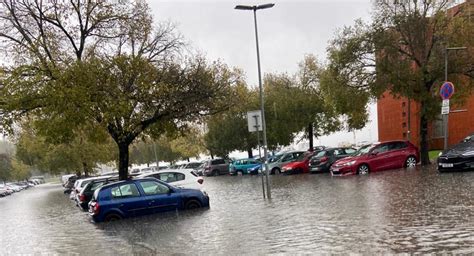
<point x="404" y="114"/>
<point x="404" y="125"/>
<point x="404" y="135"/>
<point x="403" y="104"/>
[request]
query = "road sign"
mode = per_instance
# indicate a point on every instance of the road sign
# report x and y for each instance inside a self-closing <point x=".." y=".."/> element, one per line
<point x="446" y="90"/>
<point x="254" y="121"/>
<point x="445" y="107"/>
<point x="445" y="110"/>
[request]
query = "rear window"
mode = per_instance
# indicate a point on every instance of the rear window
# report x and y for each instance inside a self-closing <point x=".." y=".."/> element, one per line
<point x="170" y="176"/>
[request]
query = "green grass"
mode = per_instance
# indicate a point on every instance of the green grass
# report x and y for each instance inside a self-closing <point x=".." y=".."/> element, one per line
<point x="434" y="154"/>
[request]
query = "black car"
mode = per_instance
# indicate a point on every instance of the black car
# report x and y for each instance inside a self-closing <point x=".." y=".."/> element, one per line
<point x="322" y="160"/>
<point x="88" y="191"/>
<point x="459" y="157"/>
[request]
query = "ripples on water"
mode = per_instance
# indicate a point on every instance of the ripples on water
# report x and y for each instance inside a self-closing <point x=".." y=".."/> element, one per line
<point x="402" y="211"/>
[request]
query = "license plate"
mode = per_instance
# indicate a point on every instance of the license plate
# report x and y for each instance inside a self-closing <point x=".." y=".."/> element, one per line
<point x="446" y="165"/>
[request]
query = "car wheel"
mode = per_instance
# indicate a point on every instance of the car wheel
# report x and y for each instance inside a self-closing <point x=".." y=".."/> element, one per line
<point x="276" y="171"/>
<point x="192" y="204"/>
<point x="410" y="162"/>
<point x="112" y="217"/>
<point x="215" y="173"/>
<point x="363" y="169"/>
<point x="240" y="173"/>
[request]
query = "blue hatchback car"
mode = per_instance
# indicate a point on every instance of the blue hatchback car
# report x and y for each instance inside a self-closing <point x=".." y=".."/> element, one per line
<point x="144" y="196"/>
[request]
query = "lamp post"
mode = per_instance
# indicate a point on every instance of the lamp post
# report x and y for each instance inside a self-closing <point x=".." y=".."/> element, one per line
<point x="446" y="117"/>
<point x="254" y="8"/>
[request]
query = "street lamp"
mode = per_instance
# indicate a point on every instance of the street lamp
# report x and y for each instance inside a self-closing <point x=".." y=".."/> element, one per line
<point x="254" y="8"/>
<point x="446" y="118"/>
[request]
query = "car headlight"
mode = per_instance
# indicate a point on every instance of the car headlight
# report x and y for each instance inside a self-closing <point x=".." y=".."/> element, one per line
<point x="440" y="153"/>
<point x="349" y="163"/>
<point x="204" y="192"/>
<point x="468" y="153"/>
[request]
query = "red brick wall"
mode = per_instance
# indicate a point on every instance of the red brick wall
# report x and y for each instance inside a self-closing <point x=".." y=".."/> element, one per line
<point x="391" y="121"/>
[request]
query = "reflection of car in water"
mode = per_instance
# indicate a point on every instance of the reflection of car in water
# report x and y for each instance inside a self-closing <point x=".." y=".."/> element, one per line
<point x="459" y="157"/>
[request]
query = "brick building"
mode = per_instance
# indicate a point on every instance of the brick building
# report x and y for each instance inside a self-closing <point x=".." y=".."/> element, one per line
<point x="399" y="118"/>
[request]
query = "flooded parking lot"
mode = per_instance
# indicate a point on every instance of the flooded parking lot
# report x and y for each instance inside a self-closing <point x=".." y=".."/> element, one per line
<point x="401" y="211"/>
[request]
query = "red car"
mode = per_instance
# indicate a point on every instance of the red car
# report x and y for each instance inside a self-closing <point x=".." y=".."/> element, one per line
<point x="299" y="165"/>
<point x="378" y="157"/>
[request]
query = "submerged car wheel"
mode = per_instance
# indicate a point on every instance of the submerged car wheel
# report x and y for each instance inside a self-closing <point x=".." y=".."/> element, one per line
<point x="193" y="204"/>
<point x="410" y="162"/>
<point x="363" y="169"/>
<point x="276" y="171"/>
<point x="112" y="217"/>
<point x="240" y="173"/>
<point x="215" y="173"/>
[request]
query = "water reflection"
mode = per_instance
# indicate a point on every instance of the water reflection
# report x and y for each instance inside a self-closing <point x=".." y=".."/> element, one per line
<point x="402" y="211"/>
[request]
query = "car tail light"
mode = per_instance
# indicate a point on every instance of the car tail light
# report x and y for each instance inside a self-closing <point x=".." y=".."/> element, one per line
<point x="96" y="208"/>
<point x="324" y="159"/>
<point x="200" y="181"/>
<point x="82" y="197"/>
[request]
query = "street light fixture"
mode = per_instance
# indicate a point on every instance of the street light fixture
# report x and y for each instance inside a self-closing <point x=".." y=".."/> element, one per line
<point x="446" y="118"/>
<point x="254" y="8"/>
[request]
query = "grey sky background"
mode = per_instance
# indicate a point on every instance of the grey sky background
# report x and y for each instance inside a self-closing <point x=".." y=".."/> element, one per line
<point x="287" y="32"/>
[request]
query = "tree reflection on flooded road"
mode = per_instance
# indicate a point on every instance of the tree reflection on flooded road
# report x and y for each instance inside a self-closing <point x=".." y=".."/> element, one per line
<point x="401" y="211"/>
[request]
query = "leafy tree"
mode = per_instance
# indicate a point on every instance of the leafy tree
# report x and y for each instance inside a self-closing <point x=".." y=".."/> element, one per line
<point x="228" y="131"/>
<point x="5" y="167"/>
<point x="402" y="50"/>
<point x="103" y="65"/>
<point x="20" y="171"/>
<point x="80" y="155"/>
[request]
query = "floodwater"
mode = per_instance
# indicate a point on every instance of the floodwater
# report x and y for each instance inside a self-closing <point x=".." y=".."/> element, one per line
<point x="400" y="211"/>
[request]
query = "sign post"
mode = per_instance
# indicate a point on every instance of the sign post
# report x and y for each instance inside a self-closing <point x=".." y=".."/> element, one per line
<point x="446" y="91"/>
<point x="254" y="120"/>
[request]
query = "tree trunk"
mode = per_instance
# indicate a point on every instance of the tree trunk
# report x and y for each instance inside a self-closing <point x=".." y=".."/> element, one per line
<point x="310" y="136"/>
<point x="425" y="158"/>
<point x="84" y="168"/>
<point x="123" y="160"/>
<point x="250" y="153"/>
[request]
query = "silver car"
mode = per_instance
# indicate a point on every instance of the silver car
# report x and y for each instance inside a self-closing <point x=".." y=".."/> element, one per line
<point x="276" y="162"/>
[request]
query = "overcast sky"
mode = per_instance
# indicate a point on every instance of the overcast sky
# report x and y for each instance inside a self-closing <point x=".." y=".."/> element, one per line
<point x="287" y="32"/>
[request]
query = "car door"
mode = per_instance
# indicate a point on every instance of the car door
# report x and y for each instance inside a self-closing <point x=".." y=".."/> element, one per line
<point x="399" y="154"/>
<point x="379" y="157"/>
<point x="159" y="197"/>
<point x="128" y="200"/>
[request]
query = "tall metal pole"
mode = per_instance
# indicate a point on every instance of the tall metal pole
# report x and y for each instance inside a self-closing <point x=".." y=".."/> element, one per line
<point x="445" y="117"/>
<point x="262" y="108"/>
<point x="156" y="157"/>
<point x="257" y="126"/>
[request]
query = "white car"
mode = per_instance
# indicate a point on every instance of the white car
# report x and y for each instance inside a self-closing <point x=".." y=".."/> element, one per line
<point x="182" y="178"/>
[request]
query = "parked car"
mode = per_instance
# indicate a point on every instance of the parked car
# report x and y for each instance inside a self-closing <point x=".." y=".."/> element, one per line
<point x="322" y="160"/>
<point x="377" y="157"/>
<point x="182" y="178"/>
<point x="215" y="167"/>
<point x="276" y="163"/>
<point x="459" y="157"/>
<point x="69" y="185"/>
<point x="87" y="192"/>
<point x="80" y="184"/>
<point x="299" y="165"/>
<point x="143" y="196"/>
<point x="191" y="165"/>
<point x="242" y="166"/>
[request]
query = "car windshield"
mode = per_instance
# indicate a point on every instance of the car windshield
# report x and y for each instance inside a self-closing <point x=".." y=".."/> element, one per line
<point x="364" y="150"/>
